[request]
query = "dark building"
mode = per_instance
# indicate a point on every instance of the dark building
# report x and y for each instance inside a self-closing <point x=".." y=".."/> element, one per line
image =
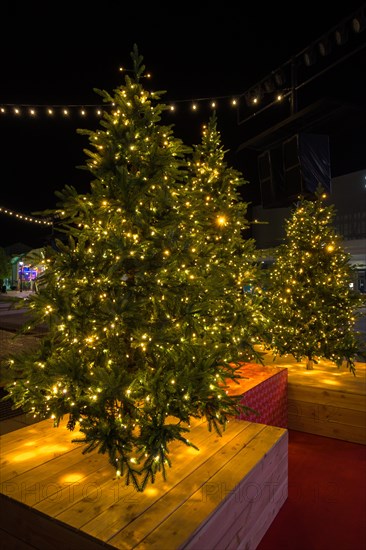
<point x="304" y="124"/>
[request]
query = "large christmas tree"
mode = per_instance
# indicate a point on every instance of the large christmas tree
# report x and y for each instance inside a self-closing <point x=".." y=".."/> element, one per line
<point x="139" y="339"/>
<point x="311" y="304"/>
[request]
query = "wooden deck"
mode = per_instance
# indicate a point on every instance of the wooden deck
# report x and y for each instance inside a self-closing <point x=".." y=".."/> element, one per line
<point x="223" y="496"/>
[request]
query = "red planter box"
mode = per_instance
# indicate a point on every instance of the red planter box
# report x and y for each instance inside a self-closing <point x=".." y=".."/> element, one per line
<point x="264" y="389"/>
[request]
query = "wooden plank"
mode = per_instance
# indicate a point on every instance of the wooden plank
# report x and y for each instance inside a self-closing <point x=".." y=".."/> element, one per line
<point x="327" y="375"/>
<point x="40" y="531"/>
<point x="258" y="483"/>
<point x="117" y="515"/>
<point x="337" y="398"/>
<point x="253" y="375"/>
<point x="99" y="486"/>
<point x="185" y="486"/>
<point x="46" y="480"/>
<point x="12" y="440"/>
<point x="240" y="516"/>
<point x="255" y="495"/>
<point x="178" y="525"/>
<point x="61" y="479"/>
<point x="32" y="433"/>
<point x="34" y="452"/>
<point x="114" y="493"/>
<point x="167" y="531"/>
<point x="346" y="432"/>
<point x="249" y="539"/>
<point x="318" y="412"/>
<point x="9" y="542"/>
<point x="326" y="401"/>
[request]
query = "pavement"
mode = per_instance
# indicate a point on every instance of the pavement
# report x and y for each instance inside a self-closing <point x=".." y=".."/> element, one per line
<point x="16" y="294"/>
<point x="12" y="315"/>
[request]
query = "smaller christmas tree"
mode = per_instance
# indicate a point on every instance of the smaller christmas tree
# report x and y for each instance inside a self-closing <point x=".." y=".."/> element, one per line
<point x="311" y="304"/>
<point x="214" y="219"/>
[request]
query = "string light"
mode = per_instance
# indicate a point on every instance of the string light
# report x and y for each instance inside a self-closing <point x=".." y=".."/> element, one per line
<point x="253" y="96"/>
<point x="51" y="110"/>
<point x="24" y="217"/>
<point x="85" y="110"/>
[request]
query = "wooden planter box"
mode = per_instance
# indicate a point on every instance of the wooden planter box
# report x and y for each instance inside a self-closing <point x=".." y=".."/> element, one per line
<point x="225" y="495"/>
<point x="327" y="400"/>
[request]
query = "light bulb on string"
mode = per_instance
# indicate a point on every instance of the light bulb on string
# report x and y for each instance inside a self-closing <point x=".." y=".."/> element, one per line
<point x="83" y="110"/>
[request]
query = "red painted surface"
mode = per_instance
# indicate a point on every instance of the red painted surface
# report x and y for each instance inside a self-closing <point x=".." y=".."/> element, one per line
<point x="264" y="389"/>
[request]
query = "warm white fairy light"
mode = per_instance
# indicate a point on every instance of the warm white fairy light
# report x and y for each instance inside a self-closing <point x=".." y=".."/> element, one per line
<point x="221" y="220"/>
<point x="23" y="217"/>
<point x="84" y="110"/>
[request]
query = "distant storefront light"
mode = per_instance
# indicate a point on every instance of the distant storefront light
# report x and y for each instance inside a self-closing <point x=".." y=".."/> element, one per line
<point x="29" y="273"/>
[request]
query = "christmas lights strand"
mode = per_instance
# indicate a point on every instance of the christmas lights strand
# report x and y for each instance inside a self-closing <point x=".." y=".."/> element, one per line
<point x="356" y="22"/>
<point x="24" y="217"/>
<point x="50" y="110"/>
<point x="65" y="110"/>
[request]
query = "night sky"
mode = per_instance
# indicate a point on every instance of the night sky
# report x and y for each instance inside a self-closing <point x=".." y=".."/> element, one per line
<point x="56" y="54"/>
